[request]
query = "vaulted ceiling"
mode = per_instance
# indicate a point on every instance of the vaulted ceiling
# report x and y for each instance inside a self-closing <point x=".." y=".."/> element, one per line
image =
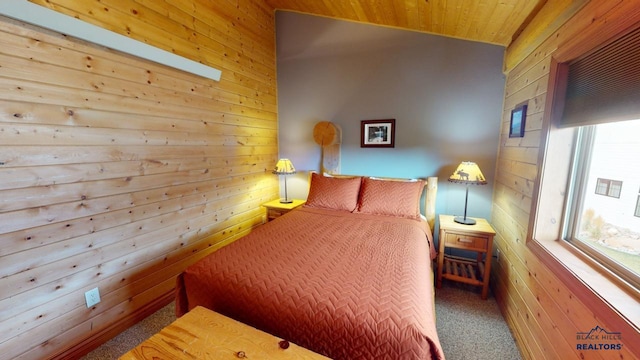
<point x="490" y="21"/>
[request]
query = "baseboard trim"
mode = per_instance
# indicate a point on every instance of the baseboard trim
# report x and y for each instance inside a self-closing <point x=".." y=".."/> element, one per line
<point x="93" y="342"/>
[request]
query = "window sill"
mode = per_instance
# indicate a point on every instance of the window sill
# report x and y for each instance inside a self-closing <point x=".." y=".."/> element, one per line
<point x="609" y="300"/>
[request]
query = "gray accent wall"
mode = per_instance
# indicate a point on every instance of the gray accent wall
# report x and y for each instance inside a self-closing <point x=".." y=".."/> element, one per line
<point x="446" y="96"/>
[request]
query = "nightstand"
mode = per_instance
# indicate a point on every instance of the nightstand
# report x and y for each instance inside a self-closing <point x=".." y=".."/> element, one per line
<point x="478" y="238"/>
<point x="276" y="209"/>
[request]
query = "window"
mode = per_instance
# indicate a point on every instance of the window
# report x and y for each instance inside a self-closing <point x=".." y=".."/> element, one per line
<point x="609" y="187"/>
<point x="610" y="300"/>
<point x="607" y="227"/>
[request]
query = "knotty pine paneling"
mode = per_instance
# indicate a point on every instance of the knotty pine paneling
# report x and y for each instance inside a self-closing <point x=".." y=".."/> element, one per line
<point x="541" y="310"/>
<point x="117" y="172"/>
<point x="489" y="21"/>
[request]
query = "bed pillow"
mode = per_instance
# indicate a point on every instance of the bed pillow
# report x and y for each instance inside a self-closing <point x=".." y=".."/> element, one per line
<point x="392" y="198"/>
<point x="333" y="192"/>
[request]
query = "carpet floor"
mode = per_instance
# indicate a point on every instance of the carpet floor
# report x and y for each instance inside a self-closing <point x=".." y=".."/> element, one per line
<point x="468" y="327"/>
<point x="472" y="328"/>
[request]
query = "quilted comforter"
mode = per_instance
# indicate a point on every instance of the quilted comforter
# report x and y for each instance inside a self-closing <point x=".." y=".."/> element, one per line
<point x="345" y="285"/>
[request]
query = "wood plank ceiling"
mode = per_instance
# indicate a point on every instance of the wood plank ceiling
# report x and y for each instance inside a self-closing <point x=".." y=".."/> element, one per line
<point x="490" y="21"/>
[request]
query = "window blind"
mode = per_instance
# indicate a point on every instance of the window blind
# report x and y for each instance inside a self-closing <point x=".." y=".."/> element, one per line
<point x="604" y="86"/>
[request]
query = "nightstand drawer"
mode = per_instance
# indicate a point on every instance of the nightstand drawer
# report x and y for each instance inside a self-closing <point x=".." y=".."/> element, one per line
<point x="462" y="241"/>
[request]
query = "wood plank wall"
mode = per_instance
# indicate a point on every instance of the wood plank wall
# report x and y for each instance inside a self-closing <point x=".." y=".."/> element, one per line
<point x="117" y="172"/>
<point x="541" y="310"/>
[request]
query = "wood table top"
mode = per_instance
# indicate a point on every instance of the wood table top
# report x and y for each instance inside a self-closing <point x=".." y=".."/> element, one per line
<point x="205" y="334"/>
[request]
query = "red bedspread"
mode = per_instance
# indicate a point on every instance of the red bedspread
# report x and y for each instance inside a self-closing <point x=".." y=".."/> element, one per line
<point x="345" y="285"/>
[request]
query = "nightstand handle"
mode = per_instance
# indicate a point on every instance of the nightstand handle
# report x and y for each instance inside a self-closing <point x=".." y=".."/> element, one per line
<point x="466" y="241"/>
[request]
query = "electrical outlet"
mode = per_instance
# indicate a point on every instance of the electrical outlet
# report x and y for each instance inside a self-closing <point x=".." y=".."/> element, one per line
<point x="498" y="256"/>
<point x="92" y="297"/>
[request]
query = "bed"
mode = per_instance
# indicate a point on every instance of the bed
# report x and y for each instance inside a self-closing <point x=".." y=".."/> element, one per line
<point x="348" y="275"/>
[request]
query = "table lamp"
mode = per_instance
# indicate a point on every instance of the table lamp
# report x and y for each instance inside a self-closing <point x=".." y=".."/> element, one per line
<point x="467" y="173"/>
<point x="284" y="167"/>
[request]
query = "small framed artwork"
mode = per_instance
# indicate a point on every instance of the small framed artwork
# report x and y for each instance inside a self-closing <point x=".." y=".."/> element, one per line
<point x="378" y="133"/>
<point x="518" y="117"/>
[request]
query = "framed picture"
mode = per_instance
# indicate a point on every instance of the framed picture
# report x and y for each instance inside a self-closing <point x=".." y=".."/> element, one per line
<point x="518" y="117"/>
<point x="378" y="133"/>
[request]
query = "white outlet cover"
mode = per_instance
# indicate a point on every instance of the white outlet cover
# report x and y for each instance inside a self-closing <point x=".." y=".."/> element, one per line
<point x="92" y="297"/>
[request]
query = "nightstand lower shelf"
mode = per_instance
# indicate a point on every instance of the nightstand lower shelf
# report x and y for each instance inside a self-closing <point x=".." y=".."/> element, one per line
<point x="463" y="270"/>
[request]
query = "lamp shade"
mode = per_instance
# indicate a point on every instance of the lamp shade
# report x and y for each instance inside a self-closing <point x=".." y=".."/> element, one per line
<point x="284" y="167"/>
<point x="468" y="173"/>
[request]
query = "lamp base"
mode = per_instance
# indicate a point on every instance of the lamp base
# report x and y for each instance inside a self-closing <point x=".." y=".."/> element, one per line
<point x="286" y="201"/>
<point x="464" y="220"/>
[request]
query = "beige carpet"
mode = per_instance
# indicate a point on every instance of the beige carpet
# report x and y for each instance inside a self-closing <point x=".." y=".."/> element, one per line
<point x="472" y="328"/>
<point x="135" y="335"/>
<point x="468" y="327"/>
